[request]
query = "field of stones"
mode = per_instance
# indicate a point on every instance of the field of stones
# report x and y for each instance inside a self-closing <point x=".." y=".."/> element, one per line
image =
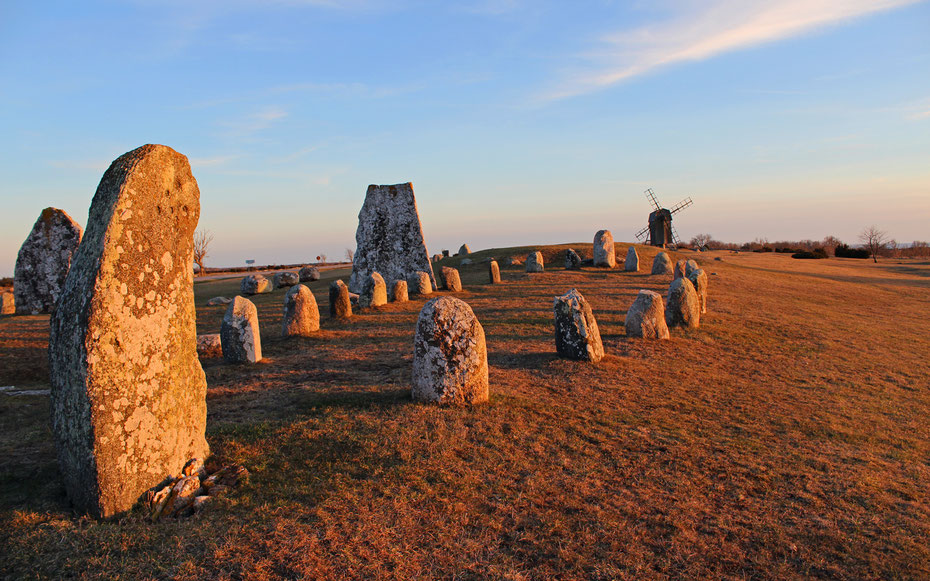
<point x="785" y="437"/>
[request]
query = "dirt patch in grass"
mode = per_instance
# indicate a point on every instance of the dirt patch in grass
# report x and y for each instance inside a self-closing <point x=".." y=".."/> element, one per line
<point x="785" y="438"/>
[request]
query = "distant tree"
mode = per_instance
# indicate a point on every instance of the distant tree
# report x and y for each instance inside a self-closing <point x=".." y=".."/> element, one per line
<point x="321" y="257"/>
<point x="701" y="240"/>
<point x="874" y="240"/>
<point x="350" y="254"/>
<point x="202" y="240"/>
<point x="830" y="243"/>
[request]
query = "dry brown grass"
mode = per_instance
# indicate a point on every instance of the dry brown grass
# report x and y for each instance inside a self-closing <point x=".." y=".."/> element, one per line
<point x="785" y="438"/>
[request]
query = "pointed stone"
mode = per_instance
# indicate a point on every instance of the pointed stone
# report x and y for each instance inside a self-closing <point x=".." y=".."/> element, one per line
<point x="576" y="332"/>
<point x="239" y="333"/>
<point x="43" y="262"/>
<point x="680" y="268"/>
<point x="340" y="306"/>
<point x="451" y="281"/>
<point x="662" y="264"/>
<point x="690" y="266"/>
<point x="301" y="314"/>
<point x="464" y="250"/>
<point x="374" y="292"/>
<point x="631" y="264"/>
<point x="699" y="279"/>
<point x="682" y="307"/>
<point x="646" y="316"/>
<point x="572" y="260"/>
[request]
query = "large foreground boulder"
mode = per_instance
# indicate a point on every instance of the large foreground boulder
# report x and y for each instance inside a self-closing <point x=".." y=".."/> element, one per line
<point x="128" y="398"/>
<point x="301" y="313"/>
<point x="604" y="254"/>
<point x="374" y="291"/>
<point x="450" y="357"/>
<point x="239" y="332"/>
<point x="576" y="333"/>
<point x="682" y="306"/>
<point x="254" y="284"/>
<point x="43" y="262"/>
<point x="340" y="305"/>
<point x="631" y="264"/>
<point x="389" y="237"/>
<point x="699" y="279"/>
<point x="646" y="316"/>
<point x="494" y="272"/>
<point x="534" y="262"/>
<point x="451" y="281"/>
<point x="662" y="264"/>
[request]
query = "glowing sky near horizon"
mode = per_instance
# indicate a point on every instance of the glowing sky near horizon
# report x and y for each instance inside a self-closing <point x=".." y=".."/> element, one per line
<point x="517" y="121"/>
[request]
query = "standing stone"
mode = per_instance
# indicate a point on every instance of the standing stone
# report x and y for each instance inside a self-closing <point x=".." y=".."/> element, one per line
<point x="399" y="292"/>
<point x="682" y="306"/>
<point x="209" y="345"/>
<point x="699" y="279"/>
<point x="437" y="257"/>
<point x="301" y="314"/>
<point x="389" y="238"/>
<point x="340" y="306"/>
<point x="494" y="272"/>
<point x="604" y="253"/>
<point x="662" y="264"/>
<point x="572" y="260"/>
<point x="631" y="264"/>
<point x="646" y="317"/>
<point x="43" y="262"/>
<point x="464" y="250"/>
<point x="445" y="254"/>
<point x="576" y="333"/>
<point x="254" y="284"/>
<point x="285" y="279"/>
<point x="7" y="303"/>
<point x="451" y="281"/>
<point x="239" y="332"/>
<point x="534" y="262"/>
<point x="450" y="356"/>
<point x="690" y="266"/>
<point x="374" y="292"/>
<point x="128" y="398"/>
<point x="308" y="274"/>
<point x="420" y="283"/>
<point x="680" y="268"/>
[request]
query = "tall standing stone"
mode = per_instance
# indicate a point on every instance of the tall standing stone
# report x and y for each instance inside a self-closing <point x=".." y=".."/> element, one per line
<point x="399" y="293"/>
<point x="128" y="398"/>
<point x="494" y="272"/>
<point x="450" y="356"/>
<point x="534" y="262"/>
<point x="374" y="291"/>
<point x="576" y="332"/>
<point x="662" y="264"/>
<point x="680" y="268"/>
<point x="699" y="279"/>
<point x="420" y="283"/>
<point x="646" y="316"/>
<point x="340" y="306"/>
<point x="682" y="306"/>
<point x="451" y="281"/>
<point x="572" y="260"/>
<point x="239" y="333"/>
<point x="301" y="313"/>
<point x="43" y="262"/>
<point x="631" y="264"/>
<point x="604" y="253"/>
<point x="389" y="238"/>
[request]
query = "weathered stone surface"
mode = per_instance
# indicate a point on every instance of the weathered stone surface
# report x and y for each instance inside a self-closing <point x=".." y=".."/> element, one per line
<point x="399" y="293"/>
<point x="690" y="266"/>
<point x="646" y="316"/>
<point x="239" y="332"/>
<point x="255" y="284"/>
<point x="572" y="260"/>
<point x="682" y="306"/>
<point x="604" y="253"/>
<point x="631" y="264"/>
<point x="680" y="268"/>
<point x="534" y="262"/>
<point x="699" y="279"/>
<point x="340" y="307"/>
<point x="576" y="333"/>
<point x="662" y="264"/>
<point x="419" y="282"/>
<point x="374" y="291"/>
<point x="128" y="399"/>
<point x="464" y="250"/>
<point x="389" y="238"/>
<point x="285" y="279"/>
<point x="43" y="262"/>
<point x="494" y="272"/>
<point x="209" y="345"/>
<point x="7" y="303"/>
<point x="451" y="281"/>
<point x="450" y="358"/>
<point x="308" y="274"/>
<point x="301" y="314"/>
<point x="216" y="301"/>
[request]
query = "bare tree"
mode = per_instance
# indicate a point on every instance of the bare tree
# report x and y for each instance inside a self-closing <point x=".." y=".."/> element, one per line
<point x="701" y="240"/>
<point x="350" y="254"/>
<point x="202" y="240"/>
<point x="874" y="240"/>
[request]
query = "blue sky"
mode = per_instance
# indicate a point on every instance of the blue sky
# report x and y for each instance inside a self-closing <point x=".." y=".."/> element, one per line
<point x="517" y="121"/>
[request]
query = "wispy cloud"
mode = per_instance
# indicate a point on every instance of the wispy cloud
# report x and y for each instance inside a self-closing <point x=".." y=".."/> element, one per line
<point x="701" y="30"/>
<point x="254" y="122"/>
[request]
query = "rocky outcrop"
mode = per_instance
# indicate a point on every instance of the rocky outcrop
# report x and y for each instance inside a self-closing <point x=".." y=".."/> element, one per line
<point x="576" y="332"/>
<point x="374" y="291"/>
<point x="534" y="262"/>
<point x="308" y="274"/>
<point x="494" y="272"/>
<point x="682" y="306"/>
<point x="254" y="284"/>
<point x="301" y="314"/>
<point x="450" y="359"/>
<point x="631" y="264"/>
<point x="572" y="260"/>
<point x="340" y="306"/>
<point x="43" y="262"/>
<point x="239" y="333"/>
<point x="646" y="316"/>
<point x="604" y="254"/>
<point x="389" y="239"/>
<point x="451" y="281"/>
<point x="662" y="264"/>
<point x="128" y="398"/>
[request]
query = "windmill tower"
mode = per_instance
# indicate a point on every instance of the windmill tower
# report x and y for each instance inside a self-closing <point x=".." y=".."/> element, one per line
<point x="660" y="231"/>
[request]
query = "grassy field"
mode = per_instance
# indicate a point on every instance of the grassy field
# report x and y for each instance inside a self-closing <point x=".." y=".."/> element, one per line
<point x="788" y="437"/>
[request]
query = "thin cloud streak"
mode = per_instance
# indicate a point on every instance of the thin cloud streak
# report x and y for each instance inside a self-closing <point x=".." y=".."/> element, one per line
<point x="721" y="26"/>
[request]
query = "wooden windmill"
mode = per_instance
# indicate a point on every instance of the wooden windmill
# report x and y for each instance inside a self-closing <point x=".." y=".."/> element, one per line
<point x="660" y="231"/>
